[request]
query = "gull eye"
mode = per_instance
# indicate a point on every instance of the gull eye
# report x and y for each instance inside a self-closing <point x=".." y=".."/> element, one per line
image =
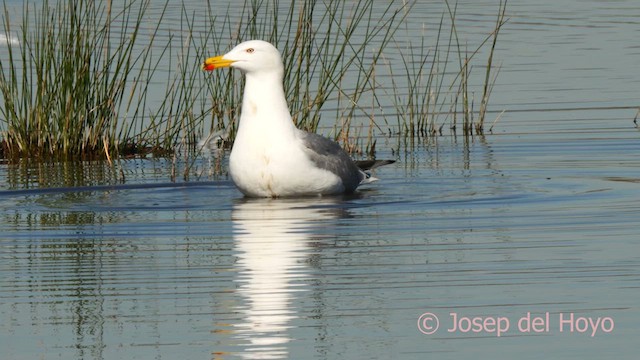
<point x="250" y="50"/>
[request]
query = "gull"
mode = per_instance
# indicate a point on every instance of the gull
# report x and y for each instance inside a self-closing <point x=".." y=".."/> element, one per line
<point x="270" y="156"/>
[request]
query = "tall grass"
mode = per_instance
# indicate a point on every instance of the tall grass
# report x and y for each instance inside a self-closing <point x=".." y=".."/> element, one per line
<point x="425" y="95"/>
<point x="83" y="79"/>
<point x="471" y="124"/>
<point x="64" y="84"/>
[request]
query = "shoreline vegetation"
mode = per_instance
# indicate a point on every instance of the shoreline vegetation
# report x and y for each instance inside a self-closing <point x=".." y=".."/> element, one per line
<point x="80" y="79"/>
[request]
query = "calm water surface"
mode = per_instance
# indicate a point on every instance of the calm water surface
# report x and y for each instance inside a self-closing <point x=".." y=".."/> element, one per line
<point x="533" y="227"/>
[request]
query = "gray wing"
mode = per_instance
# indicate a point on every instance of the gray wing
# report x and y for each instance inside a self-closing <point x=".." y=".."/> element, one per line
<point x="365" y="165"/>
<point x="328" y="155"/>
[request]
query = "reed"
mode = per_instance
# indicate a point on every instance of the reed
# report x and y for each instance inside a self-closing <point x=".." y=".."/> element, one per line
<point x="464" y="98"/>
<point x="425" y="95"/>
<point x="63" y="85"/>
<point x="422" y="75"/>
<point x="82" y="79"/>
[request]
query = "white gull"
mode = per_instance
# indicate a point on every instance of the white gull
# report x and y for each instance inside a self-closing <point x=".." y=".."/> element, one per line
<point x="270" y="156"/>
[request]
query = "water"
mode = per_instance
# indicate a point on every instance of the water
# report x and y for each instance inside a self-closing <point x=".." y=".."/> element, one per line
<point x="538" y="217"/>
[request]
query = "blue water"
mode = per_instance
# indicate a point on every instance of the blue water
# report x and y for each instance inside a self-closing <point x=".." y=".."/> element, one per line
<point x="533" y="224"/>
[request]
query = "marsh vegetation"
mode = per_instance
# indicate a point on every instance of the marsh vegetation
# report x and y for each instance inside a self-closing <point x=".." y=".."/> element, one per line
<point x="77" y="80"/>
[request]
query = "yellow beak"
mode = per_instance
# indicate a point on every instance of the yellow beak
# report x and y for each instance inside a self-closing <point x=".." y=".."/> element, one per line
<point x="216" y="62"/>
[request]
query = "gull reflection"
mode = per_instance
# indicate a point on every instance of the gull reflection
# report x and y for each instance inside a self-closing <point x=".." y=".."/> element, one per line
<point x="272" y="238"/>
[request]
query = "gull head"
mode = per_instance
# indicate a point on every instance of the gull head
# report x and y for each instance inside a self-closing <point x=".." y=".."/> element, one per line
<point x="250" y="57"/>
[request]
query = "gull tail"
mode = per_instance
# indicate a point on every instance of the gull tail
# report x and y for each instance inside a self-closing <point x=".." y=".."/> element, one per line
<point x="368" y="165"/>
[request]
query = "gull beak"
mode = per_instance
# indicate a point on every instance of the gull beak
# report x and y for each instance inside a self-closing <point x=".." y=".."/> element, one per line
<point x="216" y="62"/>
